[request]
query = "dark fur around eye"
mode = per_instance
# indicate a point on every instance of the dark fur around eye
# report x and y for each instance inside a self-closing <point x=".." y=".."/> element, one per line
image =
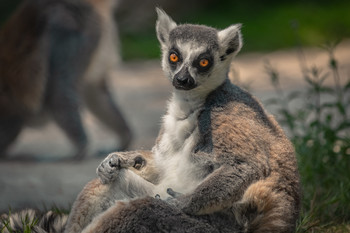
<point x="177" y="53"/>
<point x="207" y="56"/>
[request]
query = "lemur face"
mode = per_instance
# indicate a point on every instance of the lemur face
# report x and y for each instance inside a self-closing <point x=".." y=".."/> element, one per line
<point x="196" y="56"/>
<point x="190" y="56"/>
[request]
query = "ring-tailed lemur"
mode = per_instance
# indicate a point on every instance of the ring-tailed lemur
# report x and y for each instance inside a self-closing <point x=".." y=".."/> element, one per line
<point x="53" y="55"/>
<point x="220" y="163"/>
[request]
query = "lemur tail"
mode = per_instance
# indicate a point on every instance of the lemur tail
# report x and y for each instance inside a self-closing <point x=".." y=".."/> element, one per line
<point x="49" y="222"/>
<point x="264" y="210"/>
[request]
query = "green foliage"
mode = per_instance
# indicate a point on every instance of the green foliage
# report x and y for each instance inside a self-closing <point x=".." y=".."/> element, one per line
<point x="140" y="46"/>
<point x="266" y="26"/>
<point x="320" y="129"/>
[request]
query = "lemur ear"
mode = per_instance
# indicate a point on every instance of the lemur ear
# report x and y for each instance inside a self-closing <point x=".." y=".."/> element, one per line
<point x="230" y="39"/>
<point x="163" y="26"/>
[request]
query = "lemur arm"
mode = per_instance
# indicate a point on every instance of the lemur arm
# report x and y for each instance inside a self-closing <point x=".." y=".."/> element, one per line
<point x="122" y="175"/>
<point x="241" y="158"/>
<point x="220" y="189"/>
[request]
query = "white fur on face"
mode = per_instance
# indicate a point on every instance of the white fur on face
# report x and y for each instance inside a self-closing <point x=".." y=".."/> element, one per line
<point x="206" y="82"/>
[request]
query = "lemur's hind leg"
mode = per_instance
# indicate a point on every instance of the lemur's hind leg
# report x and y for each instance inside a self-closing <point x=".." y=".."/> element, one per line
<point x="101" y="103"/>
<point x="123" y="176"/>
<point x="146" y="215"/>
<point x="91" y="201"/>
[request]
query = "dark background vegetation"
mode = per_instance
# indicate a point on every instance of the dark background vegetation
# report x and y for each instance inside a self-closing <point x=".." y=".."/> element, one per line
<point x="319" y="127"/>
<point x="267" y="25"/>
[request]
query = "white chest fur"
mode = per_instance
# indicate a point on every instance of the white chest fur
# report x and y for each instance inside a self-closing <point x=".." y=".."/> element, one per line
<point x="174" y="148"/>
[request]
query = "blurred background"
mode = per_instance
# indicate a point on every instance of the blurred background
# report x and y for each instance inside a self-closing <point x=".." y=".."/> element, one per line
<point x="267" y="25"/>
<point x="295" y="58"/>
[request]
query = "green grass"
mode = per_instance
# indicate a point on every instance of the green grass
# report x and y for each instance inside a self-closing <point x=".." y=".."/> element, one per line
<point x="320" y="131"/>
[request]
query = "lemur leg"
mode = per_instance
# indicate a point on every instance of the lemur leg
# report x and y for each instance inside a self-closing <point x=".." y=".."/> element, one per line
<point x="70" y="52"/>
<point x="216" y="176"/>
<point x="100" y="101"/>
<point x="65" y="111"/>
<point x="87" y="205"/>
<point x="123" y="176"/>
<point x="146" y="215"/>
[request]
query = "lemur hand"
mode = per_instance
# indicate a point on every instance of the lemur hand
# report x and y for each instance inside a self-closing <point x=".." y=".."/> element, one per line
<point x="109" y="168"/>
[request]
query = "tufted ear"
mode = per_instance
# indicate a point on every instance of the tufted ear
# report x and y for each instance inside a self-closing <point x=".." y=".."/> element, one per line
<point x="230" y="39"/>
<point x="163" y="26"/>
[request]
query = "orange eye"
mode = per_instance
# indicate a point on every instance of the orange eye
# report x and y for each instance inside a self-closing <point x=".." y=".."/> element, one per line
<point x="204" y="62"/>
<point x="173" y="57"/>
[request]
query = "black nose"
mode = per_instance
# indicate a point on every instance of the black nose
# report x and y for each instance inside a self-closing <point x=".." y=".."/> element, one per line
<point x="183" y="80"/>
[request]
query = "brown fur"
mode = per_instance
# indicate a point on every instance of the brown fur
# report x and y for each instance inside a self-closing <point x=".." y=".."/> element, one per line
<point x="147" y="215"/>
<point x="253" y="137"/>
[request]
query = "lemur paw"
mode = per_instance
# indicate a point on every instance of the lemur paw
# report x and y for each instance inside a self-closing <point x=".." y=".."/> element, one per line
<point x="108" y="169"/>
<point x="174" y="198"/>
<point x="172" y="193"/>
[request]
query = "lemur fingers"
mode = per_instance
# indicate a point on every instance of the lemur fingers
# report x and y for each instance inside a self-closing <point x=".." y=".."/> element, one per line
<point x="108" y="169"/>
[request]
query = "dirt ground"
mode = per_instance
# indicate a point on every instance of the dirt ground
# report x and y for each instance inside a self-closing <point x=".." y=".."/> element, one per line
<point x="141" y="91"/>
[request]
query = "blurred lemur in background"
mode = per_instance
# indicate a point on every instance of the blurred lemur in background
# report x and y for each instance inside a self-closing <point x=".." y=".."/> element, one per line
<point x="55" y="54"/>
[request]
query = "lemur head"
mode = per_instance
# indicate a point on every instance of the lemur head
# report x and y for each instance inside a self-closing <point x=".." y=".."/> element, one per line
<point x="196" y="57"/>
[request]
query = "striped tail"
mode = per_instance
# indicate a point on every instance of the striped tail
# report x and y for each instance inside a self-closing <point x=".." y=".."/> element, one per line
<point x="33" y="220"/>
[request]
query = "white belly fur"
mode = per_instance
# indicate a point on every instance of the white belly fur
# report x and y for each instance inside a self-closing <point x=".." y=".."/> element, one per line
<point x="172" y="154"/>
